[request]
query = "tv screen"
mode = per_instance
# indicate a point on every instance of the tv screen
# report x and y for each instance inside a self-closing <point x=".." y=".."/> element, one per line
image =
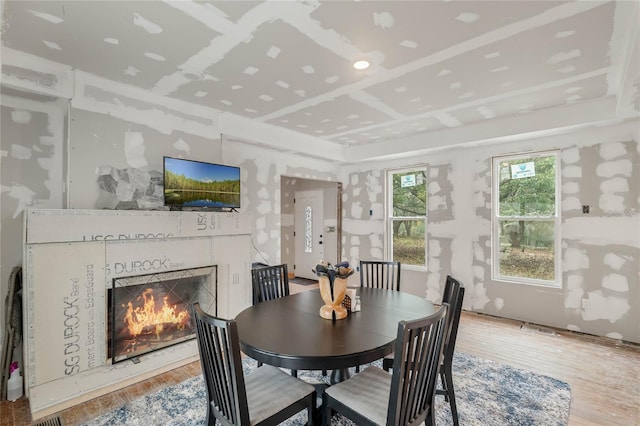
<point x="189" y="183"/>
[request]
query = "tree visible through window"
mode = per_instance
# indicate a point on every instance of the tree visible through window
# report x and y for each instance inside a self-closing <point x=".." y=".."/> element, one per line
<point x="526" y="217"/>
<point x="407" y="215"/>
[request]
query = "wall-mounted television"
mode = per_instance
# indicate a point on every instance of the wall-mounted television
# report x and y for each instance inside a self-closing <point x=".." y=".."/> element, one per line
<point x="189" y="183"/>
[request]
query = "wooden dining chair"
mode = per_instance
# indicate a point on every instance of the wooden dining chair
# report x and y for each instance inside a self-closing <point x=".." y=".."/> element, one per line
<point x="375" y="397"/>
<point x="267" y="396"/>
<point x="454" y="296"/>
<point x="269" y="282"/>
<point x="380" y="274"/>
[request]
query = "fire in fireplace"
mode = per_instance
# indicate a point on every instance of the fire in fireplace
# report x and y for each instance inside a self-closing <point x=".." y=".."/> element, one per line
<point x="151" y="312"/>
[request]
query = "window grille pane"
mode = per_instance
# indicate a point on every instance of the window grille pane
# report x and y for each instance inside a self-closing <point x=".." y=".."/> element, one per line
<point x="527" y="187"/>
<point x="409" y="194"/>
<point x="527" y="249"/>
<point x="409" y="241"/>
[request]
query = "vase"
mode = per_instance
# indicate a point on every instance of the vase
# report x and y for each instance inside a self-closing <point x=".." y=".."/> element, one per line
<point x="332" y="293"/>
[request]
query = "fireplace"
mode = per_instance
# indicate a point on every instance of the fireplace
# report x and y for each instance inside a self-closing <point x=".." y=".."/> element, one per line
<point x="151" y="312"/>
<point x="71" y="260"/>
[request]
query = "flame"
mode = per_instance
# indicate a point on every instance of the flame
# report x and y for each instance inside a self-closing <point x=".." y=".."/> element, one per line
<point x="137" y="319"/>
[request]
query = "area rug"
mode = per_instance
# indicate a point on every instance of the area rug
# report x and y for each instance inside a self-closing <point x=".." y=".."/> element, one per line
<point x="487" y="393"/>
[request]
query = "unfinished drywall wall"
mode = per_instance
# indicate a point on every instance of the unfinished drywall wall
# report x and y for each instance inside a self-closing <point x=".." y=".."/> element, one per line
<point x="267" y="176"/>
<point x="364" y="226"/>
<point x="440" y="212"/>
<point x="601" y="269"/>
<point x="117" y="164"/>
<point x="600" y="251"/>
<point x="31" y="172"/>
<point x="288" y="187"/>
<point x="363" y="216"/>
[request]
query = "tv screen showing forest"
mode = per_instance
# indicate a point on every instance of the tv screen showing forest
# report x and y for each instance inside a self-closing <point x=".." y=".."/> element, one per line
<point x="189" y="183"/>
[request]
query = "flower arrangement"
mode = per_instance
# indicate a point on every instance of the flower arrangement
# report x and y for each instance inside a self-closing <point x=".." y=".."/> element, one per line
<point x="333" y="290"/>
<point x="340" y="270"/>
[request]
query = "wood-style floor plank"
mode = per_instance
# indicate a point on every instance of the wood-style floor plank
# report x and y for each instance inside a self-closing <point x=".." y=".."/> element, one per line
<point x="604" y="374"/>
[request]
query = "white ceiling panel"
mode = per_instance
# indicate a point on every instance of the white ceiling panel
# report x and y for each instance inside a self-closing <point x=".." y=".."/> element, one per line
<point x="434" y="64"/>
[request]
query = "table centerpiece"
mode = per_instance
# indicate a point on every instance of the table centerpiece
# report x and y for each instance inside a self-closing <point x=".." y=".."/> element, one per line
<point x="333" y="287"/>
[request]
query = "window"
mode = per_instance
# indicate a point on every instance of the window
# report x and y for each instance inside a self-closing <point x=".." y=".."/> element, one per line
<point x="308" y="229"/>
<point x="526" y="218"/>
<point x="407" y="215"/>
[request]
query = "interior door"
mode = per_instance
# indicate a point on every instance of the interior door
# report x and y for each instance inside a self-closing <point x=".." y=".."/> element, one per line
<point x="309" y="220"/>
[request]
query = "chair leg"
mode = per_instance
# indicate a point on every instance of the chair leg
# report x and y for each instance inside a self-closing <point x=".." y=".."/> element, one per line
<point x="326" y="418"/>
<point x="430" y="420"/>
<point x="311" y="410"/>
<point x="451" y="395"/>
<point x="357" y="368"/>
<point x="387" y="363"/>
<point x="294" y="373"/>
<point x="211" y="419"/>
<point x="445" y="386"/>
<point x="259" y="364"/>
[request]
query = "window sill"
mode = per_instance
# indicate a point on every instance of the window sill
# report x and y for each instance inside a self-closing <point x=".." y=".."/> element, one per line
<point x="415" y="268"/>
<point x="534" y="283"/>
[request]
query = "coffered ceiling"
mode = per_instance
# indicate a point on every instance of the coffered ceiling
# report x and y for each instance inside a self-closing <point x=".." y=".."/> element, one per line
<point x="437" y="67"/>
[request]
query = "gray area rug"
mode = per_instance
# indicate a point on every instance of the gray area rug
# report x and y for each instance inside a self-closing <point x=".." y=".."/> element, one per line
<point x="487" y="393"/>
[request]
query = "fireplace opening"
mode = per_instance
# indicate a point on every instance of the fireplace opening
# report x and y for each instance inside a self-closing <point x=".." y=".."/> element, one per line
<point x="151" y="312"/>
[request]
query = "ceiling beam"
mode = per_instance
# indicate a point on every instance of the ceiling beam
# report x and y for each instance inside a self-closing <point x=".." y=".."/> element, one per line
<point x="235" y="126"/>
<point x="34" y="74"/>
<point x="624" y="78"/>
<point x="535" y="124"/>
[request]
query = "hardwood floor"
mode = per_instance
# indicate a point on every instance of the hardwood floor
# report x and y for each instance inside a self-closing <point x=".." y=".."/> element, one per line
<point x="604" y="375"/>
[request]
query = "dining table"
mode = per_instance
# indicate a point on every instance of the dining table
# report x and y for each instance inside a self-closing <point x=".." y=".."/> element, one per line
<point x="289" y="332"/>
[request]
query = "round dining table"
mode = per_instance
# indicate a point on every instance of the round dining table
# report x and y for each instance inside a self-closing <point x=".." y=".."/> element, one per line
<point x="289" y="332"/>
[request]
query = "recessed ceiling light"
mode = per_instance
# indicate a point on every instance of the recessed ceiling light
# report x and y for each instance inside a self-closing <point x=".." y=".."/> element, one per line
<point x="361" y="65"/>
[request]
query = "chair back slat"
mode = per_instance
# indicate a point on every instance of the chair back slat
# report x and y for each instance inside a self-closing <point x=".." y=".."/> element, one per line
<point x="418" y="350"/>
<point x="270" y="282"/>
<point x="380" y="274"/>
<point x="219" y="347"/>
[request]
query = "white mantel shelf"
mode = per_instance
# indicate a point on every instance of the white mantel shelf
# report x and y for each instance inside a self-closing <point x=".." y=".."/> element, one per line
<point x="71" y="258"/>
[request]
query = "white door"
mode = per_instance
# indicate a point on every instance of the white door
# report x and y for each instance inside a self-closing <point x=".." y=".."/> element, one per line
<point x="309" y="221"/>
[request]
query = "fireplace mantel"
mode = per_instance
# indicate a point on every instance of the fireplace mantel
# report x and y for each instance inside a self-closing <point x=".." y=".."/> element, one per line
<point x="71" y="258"/>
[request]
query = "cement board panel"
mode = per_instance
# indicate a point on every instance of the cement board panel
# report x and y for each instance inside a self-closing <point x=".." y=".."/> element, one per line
<point x="233" y="257"/>
<point x="46" y="226"/>
<point x="46" y="398"/>
<point x="49" y="225"/>
<point x="67" y="335"/>
<point x="139" y="257"/>
<point x="213" y="223"/>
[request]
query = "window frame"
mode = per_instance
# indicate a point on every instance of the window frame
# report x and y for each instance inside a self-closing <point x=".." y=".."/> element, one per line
<point x="556" y="218"/>
<point x="389" y="218"/>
